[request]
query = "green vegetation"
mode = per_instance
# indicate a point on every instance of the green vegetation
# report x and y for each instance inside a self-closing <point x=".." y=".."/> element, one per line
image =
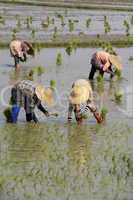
<point x="104" y="112"/>
<point x="127" y="27"/>
<point x="107" y="27"/>
<point x="59" y="59"/>
<point x="130" y="58"/>
<point x="7" y="114"/>
<point x="88" y="21"/>
<point x="100" y="78"/>
<point x="118" y="97"/>
<point x="53" y="84"/>
<point x="71" y="25"/>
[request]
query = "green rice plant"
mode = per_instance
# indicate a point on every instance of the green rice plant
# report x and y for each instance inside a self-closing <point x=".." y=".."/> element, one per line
<point x="72" y="45"/>
<point x="2" y="20"/>
<point x="88" y="21"/>
<point x="48" y="20"/>
<point x="59" y="59"/>
<point x="29" y="22"/>
<point x="130" y="58"/>
<point x="31" y="75"/>
<point x="118" y="97"/>
<point x="100" y="78"/>
<point x="118" y="73"/>
<point x="131" y="20"/>
<point x="69" y="49"/>
<point x="107" y="27"/>
<point x="33" y="33"/>
<point x="104" y="112"/>
<point x="40" y="70"/>
<point x="55" y="32"/>
<point x="7" y="114"/>
<point x="53" y="84"/>
<point x="127" y="27"/>
<point x="71" y="25"/>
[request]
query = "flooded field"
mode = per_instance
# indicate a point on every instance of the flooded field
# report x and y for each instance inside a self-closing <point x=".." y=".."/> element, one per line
<point x="45" y="23"/>
<point x="52" y="160"/>
<point x="55" y="161"/>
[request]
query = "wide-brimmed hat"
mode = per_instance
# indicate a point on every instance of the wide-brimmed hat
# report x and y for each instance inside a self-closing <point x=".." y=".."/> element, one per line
<point x="81" y="92"/>
<point x="116" y="61"/>
<point x="44" y="94"/>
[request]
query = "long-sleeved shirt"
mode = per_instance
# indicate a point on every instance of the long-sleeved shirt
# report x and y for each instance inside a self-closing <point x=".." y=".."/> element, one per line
<point x="23" y="94"/>
<point x="18" y="47"/>
<point x="101" y="60"/>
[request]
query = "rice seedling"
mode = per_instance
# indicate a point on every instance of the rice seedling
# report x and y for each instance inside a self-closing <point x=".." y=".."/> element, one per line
<point x="118" y="73"/>
<point x="59" y="59"/>
<point x="104" y="112"/>
<point x="100" y="78"/>
<point x="33" y="33"/>
<point x="53" y="84"/>
<point x="88" y="21"/>
<point x="130" y="58"/>
<point x="40" y="70"/>
<point x="71" y="25"/>
<point x="28" y="21"/>
<point x="2" y="20"/>
<point x="69" y="49"/>
<point x="7" y="114"/>
<point x="127" y="27"/>
<point x="118" y="97"/>
<point x="107" y="27"/>
<point x="55" y="32"/>
<point x="131" y="21"/>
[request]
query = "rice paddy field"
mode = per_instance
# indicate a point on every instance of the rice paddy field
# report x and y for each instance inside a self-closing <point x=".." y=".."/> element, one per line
<point x="52" y="160"/>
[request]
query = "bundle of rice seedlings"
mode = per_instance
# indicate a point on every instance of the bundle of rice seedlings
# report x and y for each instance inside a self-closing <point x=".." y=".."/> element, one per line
<point x="7" y="114"/>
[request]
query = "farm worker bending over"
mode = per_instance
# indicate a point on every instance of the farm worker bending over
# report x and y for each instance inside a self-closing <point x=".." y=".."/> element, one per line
<point x="29" y="95"/>
<point x="81" y="93"/>
<point x="104" y="62"/>
<point x="19" y="50"/>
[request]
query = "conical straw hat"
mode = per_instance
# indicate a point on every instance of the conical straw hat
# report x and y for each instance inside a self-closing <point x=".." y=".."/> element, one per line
<point x="81" y="92"/>
<point x="44" y="94"/>
<point x="116" y="61"/>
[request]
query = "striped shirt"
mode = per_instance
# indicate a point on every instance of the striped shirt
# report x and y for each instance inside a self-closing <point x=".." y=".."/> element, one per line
<point x="79" y="113"/>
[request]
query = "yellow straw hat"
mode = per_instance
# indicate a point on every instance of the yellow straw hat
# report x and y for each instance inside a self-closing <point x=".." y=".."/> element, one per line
<point x="44" y="94"/>
<point x="81" y="92"/>
<point x="116" y="61"/>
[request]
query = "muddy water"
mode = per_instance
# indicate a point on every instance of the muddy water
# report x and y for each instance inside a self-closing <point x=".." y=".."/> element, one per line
<point x="55" y="161"/>
<point x="39" y="14"/>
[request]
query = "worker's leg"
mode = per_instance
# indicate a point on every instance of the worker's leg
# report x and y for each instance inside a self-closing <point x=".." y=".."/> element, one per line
<point x="15" y="105"/>
<point x="92" y="72"/>
<point x="31" y="117"/>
